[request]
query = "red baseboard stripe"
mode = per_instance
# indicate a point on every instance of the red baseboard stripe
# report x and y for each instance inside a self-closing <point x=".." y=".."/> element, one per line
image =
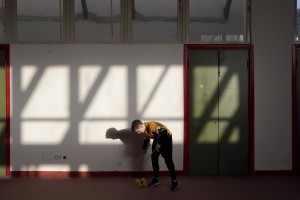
<point x="85" y="174"/>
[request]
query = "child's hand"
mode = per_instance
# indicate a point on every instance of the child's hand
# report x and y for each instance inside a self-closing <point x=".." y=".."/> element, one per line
<point x="157" y="146"/>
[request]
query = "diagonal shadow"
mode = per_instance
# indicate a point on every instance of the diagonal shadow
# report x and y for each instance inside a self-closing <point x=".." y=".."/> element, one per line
<point x="214" y="101"/>
<point x="32" y="85"/>
<point x="77" y="110"/>
<point x="151" y="96"/>
<point x="206" y="116"/>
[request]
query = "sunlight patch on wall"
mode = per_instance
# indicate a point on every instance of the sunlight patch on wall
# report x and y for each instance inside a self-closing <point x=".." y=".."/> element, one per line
<point x="111" y="97"/>
<point x="87" y="78"/>
<point x="27" y="74"/>
<point x="160" y="94"/>
<point x="43" y="133"/>
<point x="50" y="167"/>
<point x="66" y="102"/>
<point x="147" y="86"/>
<point x="83" y="168"/>
<point x="94" y="132"/>
<point x="176" y="127"/>
<point x="50" y="97"/>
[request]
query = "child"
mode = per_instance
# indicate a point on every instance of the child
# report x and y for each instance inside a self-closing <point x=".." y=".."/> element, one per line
<point x="162" y="144"/>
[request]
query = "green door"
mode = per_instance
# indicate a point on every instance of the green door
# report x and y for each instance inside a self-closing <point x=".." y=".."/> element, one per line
<point x="2" y="114"/>
<point x="218" y="112"/>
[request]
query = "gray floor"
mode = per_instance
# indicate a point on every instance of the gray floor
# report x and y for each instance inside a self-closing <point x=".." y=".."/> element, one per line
<point x="191" y="187"/>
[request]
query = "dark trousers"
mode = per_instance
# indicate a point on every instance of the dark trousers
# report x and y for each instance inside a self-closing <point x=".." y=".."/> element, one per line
<point x="166" y="152"/>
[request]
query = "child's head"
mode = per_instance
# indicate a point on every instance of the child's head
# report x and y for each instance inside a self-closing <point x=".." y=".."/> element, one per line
<point x="138" y="126"/>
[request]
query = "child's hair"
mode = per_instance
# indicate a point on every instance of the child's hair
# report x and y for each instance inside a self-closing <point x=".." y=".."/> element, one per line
<point x="135" y="124"/>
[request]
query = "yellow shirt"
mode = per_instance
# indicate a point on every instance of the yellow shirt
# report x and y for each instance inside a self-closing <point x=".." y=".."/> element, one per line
<point x="152" y="128"/>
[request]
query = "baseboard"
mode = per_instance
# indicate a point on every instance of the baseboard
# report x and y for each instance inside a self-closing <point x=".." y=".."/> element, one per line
<point x="273" y="172"/>
<point x="86" y="174"/>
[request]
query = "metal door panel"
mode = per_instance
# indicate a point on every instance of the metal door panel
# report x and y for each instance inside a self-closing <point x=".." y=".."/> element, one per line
<point x="233" y="112"/>
<point x="203" y="97"/>
<point x="218" y="112"/>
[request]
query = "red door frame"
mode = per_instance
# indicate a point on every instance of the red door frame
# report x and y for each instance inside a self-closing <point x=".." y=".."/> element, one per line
<point x="248" y="47"/>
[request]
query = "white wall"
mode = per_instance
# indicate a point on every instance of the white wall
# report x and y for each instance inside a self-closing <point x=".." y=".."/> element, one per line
<point x="67" y="98"/>
<point x="71" y="100"/>
<point x="272" y="36"/>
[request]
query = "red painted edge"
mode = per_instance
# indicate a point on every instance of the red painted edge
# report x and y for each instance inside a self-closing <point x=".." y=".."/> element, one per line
<point x="219" y="46"/>
<point x="87" y="174"/>
<point x="251" y="109"/>
<point x="188" y="47"/>
<point x="186" y="111"/>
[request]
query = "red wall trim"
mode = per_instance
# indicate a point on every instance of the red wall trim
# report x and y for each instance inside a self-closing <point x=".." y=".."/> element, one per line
<point x="251" y="108"/>
<point x="188" y="47"/>
<point x="219" y="46"/>
<point x="87" y="174"/>
<point x="186" y="112"/>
